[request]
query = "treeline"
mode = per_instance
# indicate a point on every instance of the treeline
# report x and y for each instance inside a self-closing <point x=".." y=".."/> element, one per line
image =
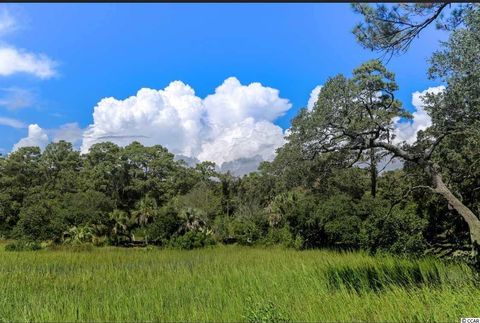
<point x="141" y="195"/>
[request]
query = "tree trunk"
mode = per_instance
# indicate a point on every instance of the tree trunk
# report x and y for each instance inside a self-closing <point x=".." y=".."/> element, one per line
<point x="469" y="217"/>
<point x="373" y="172"/>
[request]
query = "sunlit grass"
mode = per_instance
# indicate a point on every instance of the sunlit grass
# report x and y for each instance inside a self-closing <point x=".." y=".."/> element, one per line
<point x="230" y="284"/>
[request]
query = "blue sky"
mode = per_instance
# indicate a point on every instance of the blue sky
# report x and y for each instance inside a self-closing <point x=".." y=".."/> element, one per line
<point x="113" y="50"/>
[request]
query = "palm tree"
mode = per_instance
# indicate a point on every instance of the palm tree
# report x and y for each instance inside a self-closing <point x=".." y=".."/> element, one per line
<point x="145" y="212"/>
<point x="121" y="226"/>
<point x="192" y="220"/>
<point x="78" y="235"/>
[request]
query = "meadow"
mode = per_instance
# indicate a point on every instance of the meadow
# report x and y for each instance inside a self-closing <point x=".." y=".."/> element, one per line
<point x="230" y="283"/>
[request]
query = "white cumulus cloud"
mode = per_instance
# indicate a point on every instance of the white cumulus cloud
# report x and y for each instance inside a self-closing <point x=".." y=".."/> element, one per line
<point x="236" y="121"/>
<point x="234" y="102"/>
<point x="40" y="137"/>
<point x="14" y="60"/>
<point x="36" y="137"/>
<point x="70" y="132"/>
<point x="246" y="139"/>
<point x="407" y="130"/>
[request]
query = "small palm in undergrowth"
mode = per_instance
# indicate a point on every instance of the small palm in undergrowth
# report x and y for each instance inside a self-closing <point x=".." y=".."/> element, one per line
<point x="192" y="220"/>
<point x="78" y="235"/>
<point x="121" y="225"/>
<point x="144" y="214"/>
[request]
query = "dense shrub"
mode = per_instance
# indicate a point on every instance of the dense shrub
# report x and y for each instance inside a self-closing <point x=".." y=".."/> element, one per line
<point x="202" y="197"/>
<point x="399" y="231"/>
<point x="40" y="221"/>
<point x="165" y="224"/>
<point x="298" y="210"/>
<point x="139" y="195"/>
<point x="283" y="237"/>
<point x="192" y="240"/>
<point x="338" y="216"/>
<point x="245" y="227"/>
<point x="23" y="245"/>
<point x="232" y="229"/>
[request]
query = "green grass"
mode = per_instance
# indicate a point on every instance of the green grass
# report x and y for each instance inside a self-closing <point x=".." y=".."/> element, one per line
<point x="230" y="284"/>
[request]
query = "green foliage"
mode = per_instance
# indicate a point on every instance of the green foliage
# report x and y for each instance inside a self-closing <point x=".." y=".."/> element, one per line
<point x="120" y="225"/>
<point x="297" y="209"/>
<point x="165" y="224"/>
<point x="203" y="198"/>
<point x="89" y="207"/>
<point x="405" y="231"/>
<point x="245" y="227"/>
<point x="392" y="28"/>
<point x="192" y="240"/>
<point x="78" y="235"/>
<point x="338" y="216"/>
<point x="39" y="220"/>
<point x="283" y="237"/>
<point x="23" y="245"/>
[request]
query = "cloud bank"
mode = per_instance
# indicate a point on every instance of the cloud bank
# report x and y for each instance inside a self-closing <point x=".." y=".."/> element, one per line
<point x="236" y="121"/>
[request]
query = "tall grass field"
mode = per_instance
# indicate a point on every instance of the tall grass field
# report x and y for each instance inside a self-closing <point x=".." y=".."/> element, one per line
<point x="230" y="284"/>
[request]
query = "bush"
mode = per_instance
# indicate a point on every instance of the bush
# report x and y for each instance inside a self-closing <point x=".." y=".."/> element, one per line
<point x="192" y="240"/>
<point x="282" y="236"/>
<point x="339" y="219"/>
<point x="165" y="224"/>
<point x="245" y="227"/>
<point x="23" y="245"/>
<point x="399" y="232"/>
<point x="297" y="209"/>
<point x="201" y="197"/>
<point x="40" y="221"/>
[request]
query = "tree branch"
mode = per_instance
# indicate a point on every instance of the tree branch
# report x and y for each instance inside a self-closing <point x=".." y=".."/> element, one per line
<point x="398" y="152"/>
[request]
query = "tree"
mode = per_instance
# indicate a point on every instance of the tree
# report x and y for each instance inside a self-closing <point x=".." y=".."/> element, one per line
<point x="104" y="171"/>
<point x="341" y="121"/>
<point x="121" y="225"/>
<point x="391" y="29"/>
<point x="78" y="235"/>
<point x="351" y="115"/>
<point x="145" y="212"/>
<point x="20" y="172"/>
<point x="204" y="197"/>
<point x="59" y="165"/>
<point x="85" y="208"/>
<point x="39" y="219"/>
